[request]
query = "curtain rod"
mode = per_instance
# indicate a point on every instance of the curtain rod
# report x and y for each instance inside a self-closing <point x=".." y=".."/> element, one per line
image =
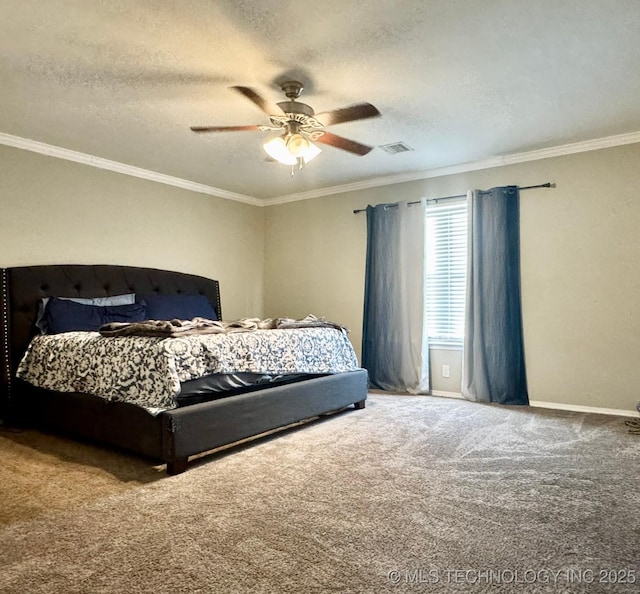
<point x="546" y="185"/>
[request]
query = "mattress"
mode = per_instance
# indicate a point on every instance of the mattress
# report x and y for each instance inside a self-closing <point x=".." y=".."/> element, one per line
<point x="150" y="372"/>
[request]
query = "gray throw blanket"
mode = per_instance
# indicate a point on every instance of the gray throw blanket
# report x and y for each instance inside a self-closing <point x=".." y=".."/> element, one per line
<point x="173" y="328"/>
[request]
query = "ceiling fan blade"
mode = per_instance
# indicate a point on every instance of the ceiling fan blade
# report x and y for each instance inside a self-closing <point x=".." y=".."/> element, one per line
<point x="344" y="143"/>
<point x="360" y="111"/>
<point x="223" y="128"/>
<point x="263" y="104"/>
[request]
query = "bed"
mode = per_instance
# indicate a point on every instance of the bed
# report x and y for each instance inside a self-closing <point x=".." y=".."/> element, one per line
<point x="170" y="436"/>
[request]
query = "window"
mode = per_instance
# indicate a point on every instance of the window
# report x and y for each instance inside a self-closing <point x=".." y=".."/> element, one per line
<point x="446" y="271"/>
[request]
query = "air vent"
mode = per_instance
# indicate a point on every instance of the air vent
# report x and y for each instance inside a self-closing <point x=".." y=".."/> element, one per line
<point x="396" y="147"/>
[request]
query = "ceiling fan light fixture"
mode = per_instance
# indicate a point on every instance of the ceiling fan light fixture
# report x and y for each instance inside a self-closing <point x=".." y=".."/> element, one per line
<point x="288" y="150"/>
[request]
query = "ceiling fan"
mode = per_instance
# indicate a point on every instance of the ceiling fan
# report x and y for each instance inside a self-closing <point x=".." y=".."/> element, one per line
<point x="300" y="126"/>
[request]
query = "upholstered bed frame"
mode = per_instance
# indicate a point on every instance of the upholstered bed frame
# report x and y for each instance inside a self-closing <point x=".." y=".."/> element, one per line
<point x="171" y="436"/>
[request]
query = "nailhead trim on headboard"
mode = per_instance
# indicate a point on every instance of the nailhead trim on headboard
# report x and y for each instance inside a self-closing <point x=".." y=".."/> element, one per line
<point x="218" y="305"/>
<point x="6" y="355"/>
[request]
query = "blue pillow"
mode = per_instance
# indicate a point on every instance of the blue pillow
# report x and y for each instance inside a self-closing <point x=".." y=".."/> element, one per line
<point x="41" y="323"/>
<point x="178" y="307"/>
<point x="62" y="315"/>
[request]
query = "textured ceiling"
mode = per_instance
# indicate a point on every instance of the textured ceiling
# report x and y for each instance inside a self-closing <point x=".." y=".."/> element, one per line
<point x="458" y="80"/>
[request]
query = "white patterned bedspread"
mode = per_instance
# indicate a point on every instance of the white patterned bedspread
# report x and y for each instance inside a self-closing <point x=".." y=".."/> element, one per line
<point x="148" y="371"/>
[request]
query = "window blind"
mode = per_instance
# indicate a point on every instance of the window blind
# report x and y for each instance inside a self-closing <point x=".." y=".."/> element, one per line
<point x="446" y="271"/>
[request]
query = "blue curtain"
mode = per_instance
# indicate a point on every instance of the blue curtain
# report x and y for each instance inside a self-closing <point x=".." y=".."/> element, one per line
<point x="394" y="344"/>
<point x="493" y="358"/>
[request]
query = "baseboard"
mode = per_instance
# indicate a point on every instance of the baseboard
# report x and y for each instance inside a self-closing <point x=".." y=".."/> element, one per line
<point x="586" y="409"/>
<point x="556" y="405"/>
<point x="446" y="394"/>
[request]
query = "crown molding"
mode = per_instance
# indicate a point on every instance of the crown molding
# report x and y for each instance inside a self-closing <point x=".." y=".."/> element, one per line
<point x="501" y="161"/>
<point x="547" y="153"/>
<point x="100" y="163"/>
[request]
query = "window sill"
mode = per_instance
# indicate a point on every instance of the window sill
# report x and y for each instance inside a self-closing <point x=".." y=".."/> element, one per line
<point x="445" y="346"/>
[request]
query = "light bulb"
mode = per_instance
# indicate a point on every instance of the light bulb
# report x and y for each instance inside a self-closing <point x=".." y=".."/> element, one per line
<point x="276" y="148"/>
<point x="297" y="145"/>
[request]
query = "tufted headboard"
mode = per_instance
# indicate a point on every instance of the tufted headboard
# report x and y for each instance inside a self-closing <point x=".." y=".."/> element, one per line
<point x="22" y="288"/>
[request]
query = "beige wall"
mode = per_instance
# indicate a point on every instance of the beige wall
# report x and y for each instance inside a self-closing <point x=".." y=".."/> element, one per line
<point x="580" y="253"/>
<point x="580" y="258"/>
<point x="438" y="381"/>
<point x="56" y="211"/>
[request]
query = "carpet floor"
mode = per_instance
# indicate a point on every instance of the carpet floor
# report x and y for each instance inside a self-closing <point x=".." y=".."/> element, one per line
<point x="411" y="494"/>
